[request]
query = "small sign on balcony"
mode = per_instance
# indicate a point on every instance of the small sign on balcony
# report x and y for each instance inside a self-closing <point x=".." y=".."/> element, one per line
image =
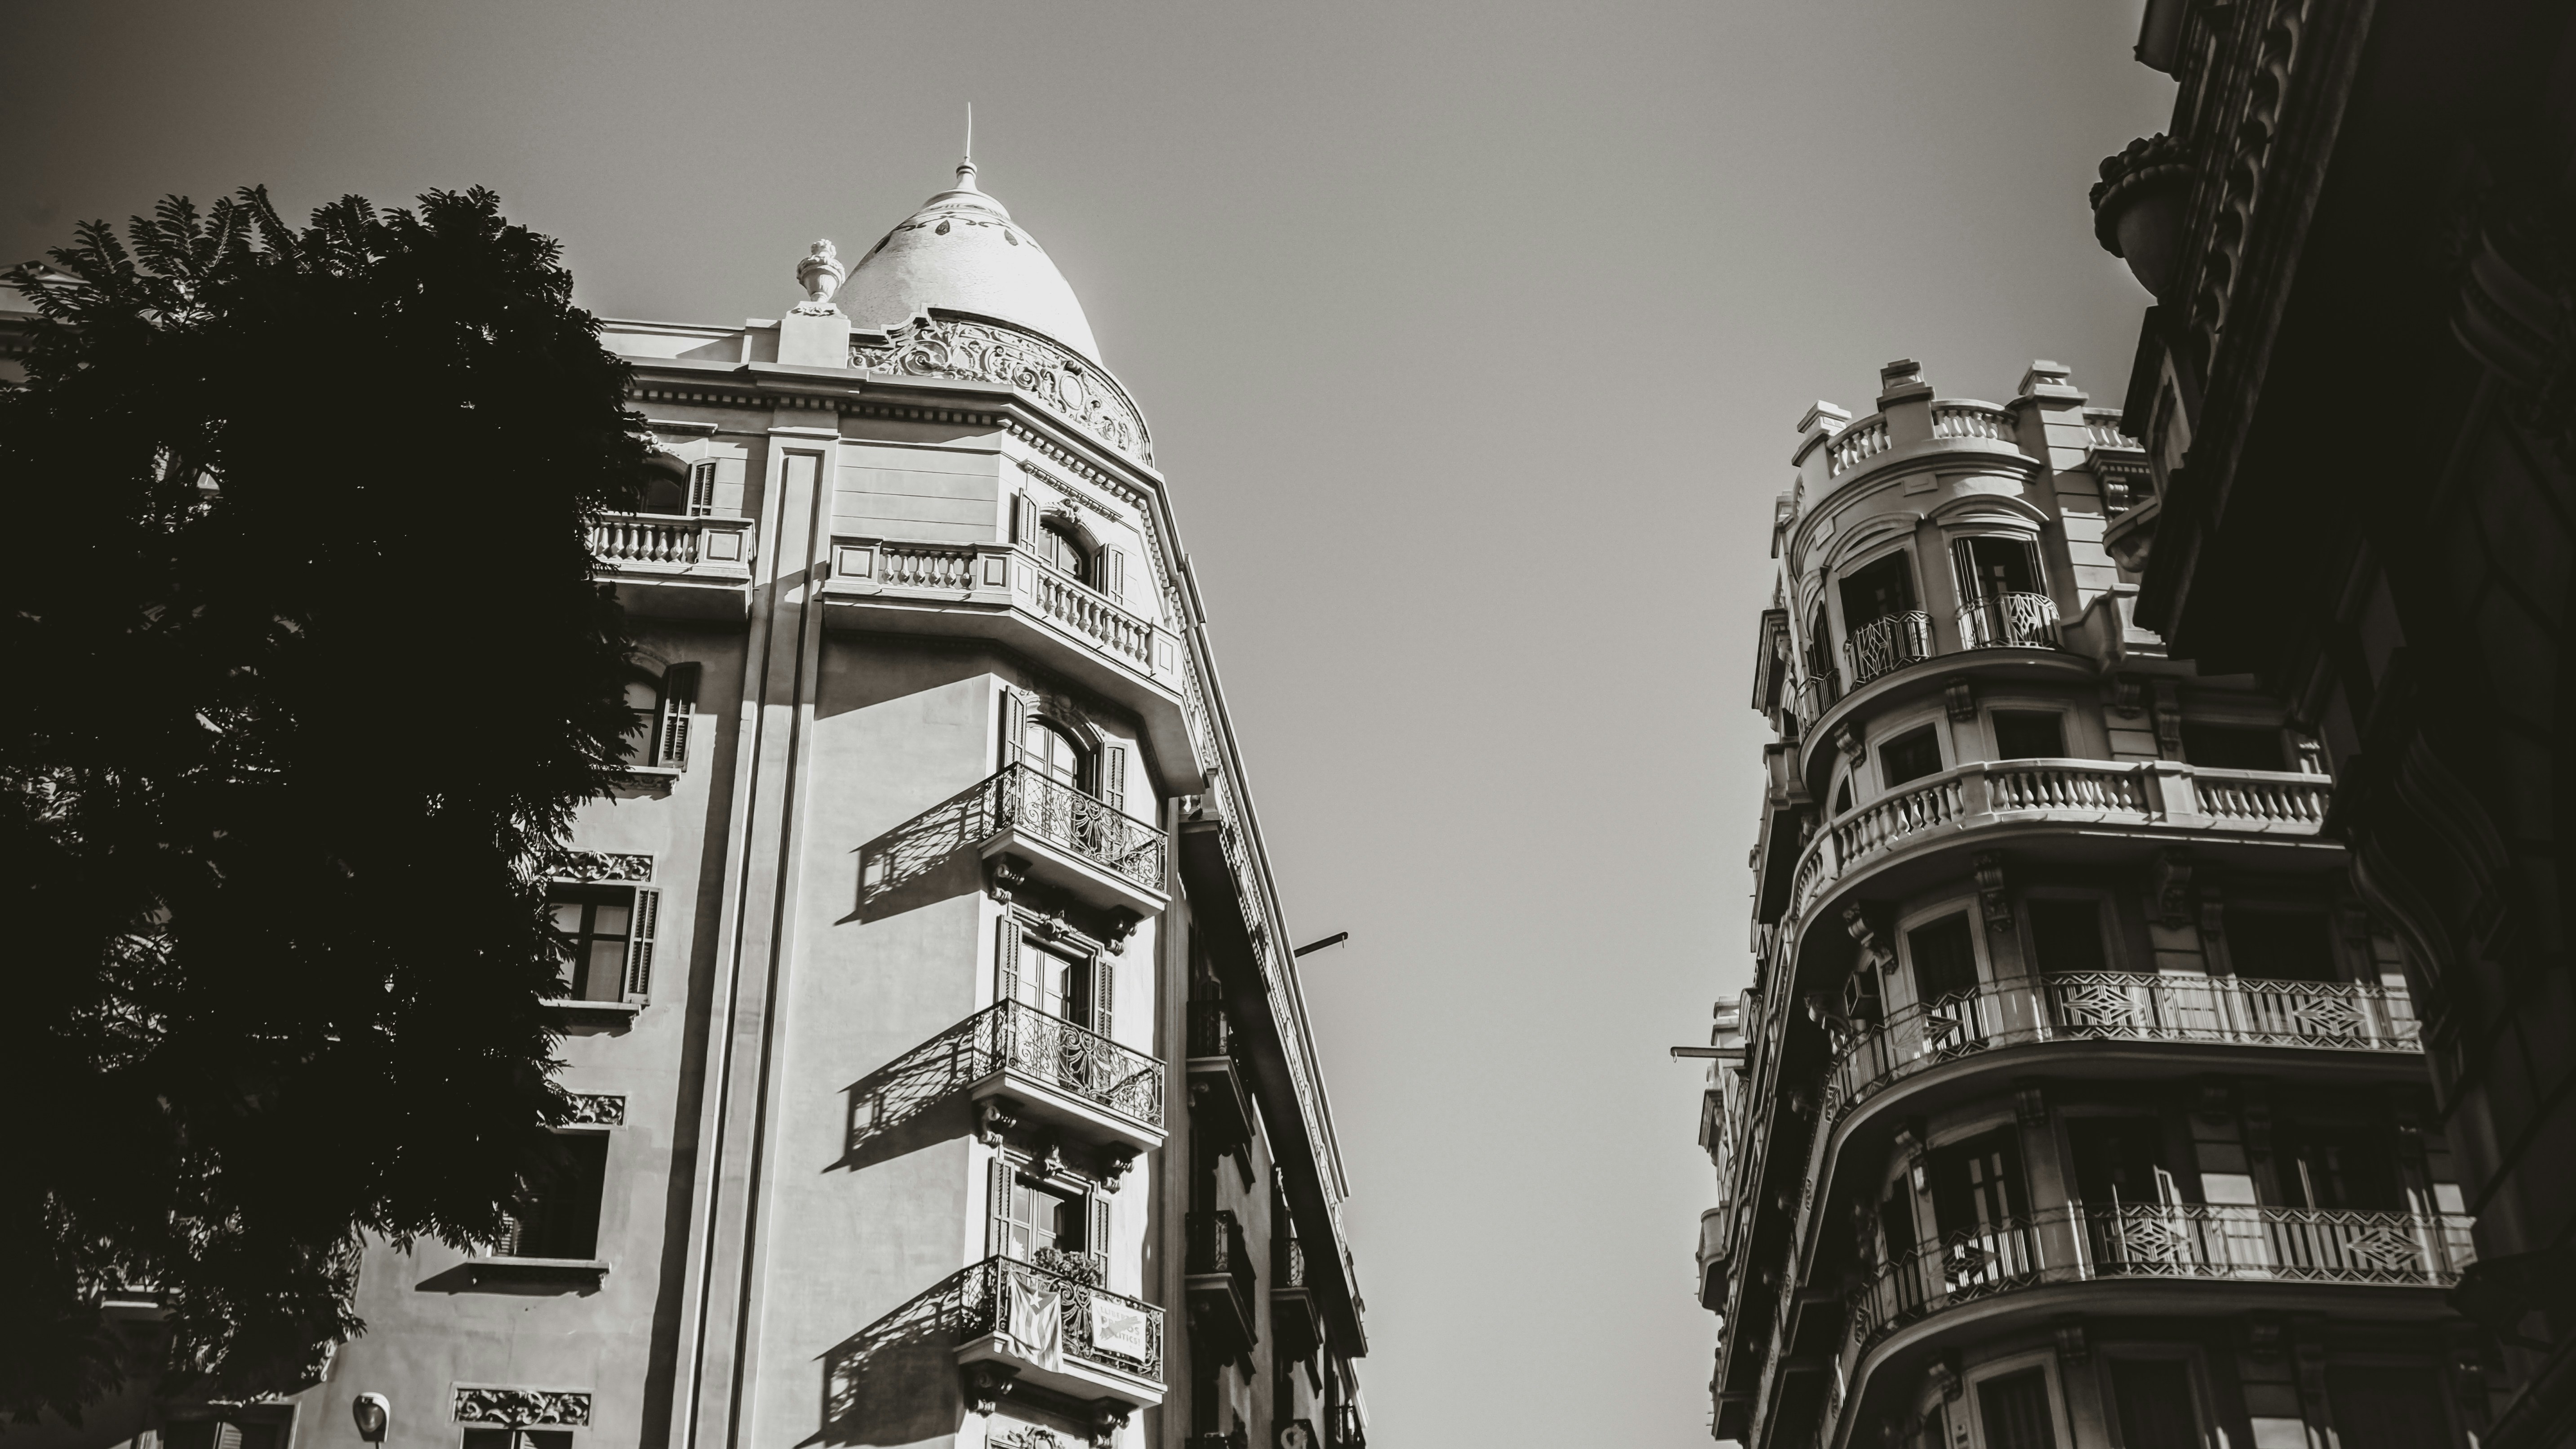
<point x="1117" y="1328"/>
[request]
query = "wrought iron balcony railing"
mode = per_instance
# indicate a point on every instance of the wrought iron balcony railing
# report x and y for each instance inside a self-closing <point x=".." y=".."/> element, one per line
<point x="1210" y="1035"/>
<point x="2009" y="621"/>
<point x="2119" y="1006"/>
<point x="1098" y="1327"/>
<point x="1888" y="643"/>
<point x="1287" y="1263"/>
<point x="1038" y="803"/>
<point x="1216" y="1246"/>
<point x="1011" y="1036"/>
<point x="2080" y="1243"/>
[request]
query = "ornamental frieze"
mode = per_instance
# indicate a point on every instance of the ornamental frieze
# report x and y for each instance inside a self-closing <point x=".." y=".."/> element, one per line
<point x="520" y="1408"/>
<point x="1065" y="383"/>
<point x="597" y="867"/>
<point x="597" y="1109"/>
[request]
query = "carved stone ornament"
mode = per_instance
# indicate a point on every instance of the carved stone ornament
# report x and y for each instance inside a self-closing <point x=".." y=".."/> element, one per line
<point x="1008" y="873"/>
<point x="1872" y="950"/>
<point x="1122" y="926"/>
<point x="520" y="1408"/>
<point x="820" y="274"/>
<point x="1063" y="382"/>
<point x="1107" y="1418"/>
<point x="2125" y="695"/>
<point x="596" y="867"/>
<point x="995" y="1120"/>
<point x="2072" y="1345"/>
<point x="1848" y="741"/>
<point x="598" y="1109"/>
<point x="1051" y="1166"/>
<point x="1114" y="1166"/>
<point x="2169" y="896"/>
<point x="987" y="1384"/>
<point x="1991" y="894"/>
<point x="1026" y="1436"/>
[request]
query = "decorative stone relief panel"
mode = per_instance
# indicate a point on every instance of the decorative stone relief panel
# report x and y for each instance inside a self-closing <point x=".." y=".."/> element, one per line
<point x="595" y="867"/>
<point x="520" y="1408"/>
<point x="1067" y="384"/>
<point x="598" y="1109"/>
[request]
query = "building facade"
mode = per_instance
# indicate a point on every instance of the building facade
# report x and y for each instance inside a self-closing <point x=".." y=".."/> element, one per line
<point x="2383" y="191"/>
<point x="2078" y="1099"/>
<point x="943" y="1072"/>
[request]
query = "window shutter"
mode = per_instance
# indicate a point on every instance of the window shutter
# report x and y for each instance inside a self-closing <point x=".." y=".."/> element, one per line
<point x="679" y="702"/>
<point x="1024" y="520"/>
<point x="702" y="489"/>
<point x="1113" y="568"/>
<point x="641" y="930"/>
<point x="1015" y="729"/>
<point x="1006" y="958"/>
<point x="997" y="1236"/>
<point x="1963" y="563"/>
<point x="1096" y="1237"/>
<point x="1113" y="777"/>
<point x="1104" y="992"/>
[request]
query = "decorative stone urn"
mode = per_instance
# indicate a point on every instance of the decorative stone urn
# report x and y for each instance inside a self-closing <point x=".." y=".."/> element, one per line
<point x="2138" y="206"/>
<point x="820" y="274"/>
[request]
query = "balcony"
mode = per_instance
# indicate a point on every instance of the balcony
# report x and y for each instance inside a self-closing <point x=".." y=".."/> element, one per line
<point x="1714" y="1254"/>
<point x="1039" y="1069"/>
<point x="993" y="590"/>
<point x="1888" y="643"/>
<point x="2204" y="1242"/>
<point x="1293" y="1314"/>
<point x="1350" y="1427"/>
<point x="2120" y="1006"/>
<point x="1033" y="827"/>
<point x="2009" y="621"/>
<point x="1046" y="1328"/>
<point x="1220" y="1100"/>
<point x="1219" y="1280"/>
<point x="2151" y="797"/>
<point x="669" y="566"/>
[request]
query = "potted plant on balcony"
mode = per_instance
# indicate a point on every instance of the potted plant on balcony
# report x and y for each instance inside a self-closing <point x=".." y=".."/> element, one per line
<point x="2138" y="206"/>
<point x="1077" y="1266"/>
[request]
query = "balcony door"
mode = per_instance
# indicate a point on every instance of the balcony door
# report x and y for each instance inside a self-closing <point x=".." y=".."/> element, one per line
<point x="1979" y="1203"/>
<point x="2120" y="1161"/>
<point x="1992" y="566"/>
<point x="1051" y="752"/>
<point x="1045" y="980"/>
<point x="1877" y="591"/>
<point x="2016" y="1411"/>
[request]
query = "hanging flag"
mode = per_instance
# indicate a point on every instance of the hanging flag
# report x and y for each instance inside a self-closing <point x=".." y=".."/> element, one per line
<point x="1037" y="1322"/>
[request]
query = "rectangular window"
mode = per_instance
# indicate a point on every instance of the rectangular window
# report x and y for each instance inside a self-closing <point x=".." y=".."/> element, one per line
<point x="671" y="720"/>
<point x="594" y="930"/>
<point x="2029" y="735"/>
<point x="2154" y="1399"/>
<point x="557" y="1216"/>
<point x="2339" y="1169"/>
<point x="2067" y="935"/>
<point x="1878" y="590"/>
<point x="1992" y="566"/>
<point x="2015" y="1408"/>
<point x="1909" y="756"/>
<point x="518" y="1439"/>
<point x="1945" y="957"/>
<point x="2280" y="945"/>
<point x="2119" y="1160"/>
<point x="263" y="1433"/>
<point x="702" y="489"/>
<point x="1976" y="1184"/>
<point x="2232" y="747"/>
<point x="2385" y="1406"/>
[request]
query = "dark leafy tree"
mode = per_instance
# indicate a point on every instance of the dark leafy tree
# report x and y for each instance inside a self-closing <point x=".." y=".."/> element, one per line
<point x="308" y="672"/>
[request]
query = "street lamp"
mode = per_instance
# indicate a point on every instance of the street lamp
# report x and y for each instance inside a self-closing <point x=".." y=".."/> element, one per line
<point x="373" y="1414"/>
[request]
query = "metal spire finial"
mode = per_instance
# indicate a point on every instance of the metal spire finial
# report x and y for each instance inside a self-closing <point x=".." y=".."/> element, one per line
<point x="966" y="164"/>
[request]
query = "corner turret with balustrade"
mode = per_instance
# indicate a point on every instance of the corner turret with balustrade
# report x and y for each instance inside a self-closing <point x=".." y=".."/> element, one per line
<point x="2077" y="1099"/>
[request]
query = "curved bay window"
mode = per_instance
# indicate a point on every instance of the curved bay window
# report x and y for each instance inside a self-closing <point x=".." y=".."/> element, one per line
<point x="1884" y="628"/>
<point x="2002" y="601"/>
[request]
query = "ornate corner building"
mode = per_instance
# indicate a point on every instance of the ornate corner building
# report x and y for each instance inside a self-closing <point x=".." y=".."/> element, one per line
<point x="946" y="1076"/>
<point x="2356" y="391"/>
<point x="2078" y="1100"/>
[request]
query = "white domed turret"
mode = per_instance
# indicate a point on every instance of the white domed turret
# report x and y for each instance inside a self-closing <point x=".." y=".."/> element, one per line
<point x="962" y="251"/>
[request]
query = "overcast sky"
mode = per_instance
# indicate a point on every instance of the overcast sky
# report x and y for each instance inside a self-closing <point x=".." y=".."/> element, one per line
<point x="1472" y="337"/>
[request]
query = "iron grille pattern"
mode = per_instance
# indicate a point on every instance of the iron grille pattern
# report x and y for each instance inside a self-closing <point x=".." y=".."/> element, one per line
<point x="2200" y="1241"/>
<point x="2124" y="1006"/>
<point x="2009" y="621"/>
<point x="1023" y="798"/>
<point x="1015" y="1036"/>
<point x="1288" y="1263"/>
<point x="989" y="1290"/>
<point x="1888" y="642"/>
<point x="1216" y="1246"/>
<point x="1210" y="1035"/>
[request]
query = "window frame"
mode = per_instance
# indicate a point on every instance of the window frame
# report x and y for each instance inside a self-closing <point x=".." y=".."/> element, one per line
<point x="1980" y="954"/>
<point x="1943" y="757"/>
<point x="2106" y="924"/>
<point x="2045" y="1360"/>
<point x="1995" y="717"/>
<point x="2195" y="1372"/>
<point x="605" y="1135"/>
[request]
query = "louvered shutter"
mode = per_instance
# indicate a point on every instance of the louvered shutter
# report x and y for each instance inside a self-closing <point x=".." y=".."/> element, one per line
<point x="1015" y="729"/>
<point x="1024" y="520"/>
<point x="702" y="489"/>
<point x="1113" y="777"/>
<point x="679" y="703"/>
<point x="642" y="928"/>
<point x="1006" y="959"/>
<point x="997" y="1237"/>
<point x="1096" y="1237"/>
<point x="1113" y="570"/>
<point x="1104" y="993"/>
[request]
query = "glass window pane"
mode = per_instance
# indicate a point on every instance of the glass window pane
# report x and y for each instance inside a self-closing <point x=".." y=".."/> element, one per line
<point x="568" y="917"/>
<point x="607" y="979"/>
<point x="609" y="920"/>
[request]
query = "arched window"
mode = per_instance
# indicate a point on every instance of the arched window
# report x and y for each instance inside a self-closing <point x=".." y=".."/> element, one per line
<point x="1051" y="752"/>
<point x="1059" y="549"/>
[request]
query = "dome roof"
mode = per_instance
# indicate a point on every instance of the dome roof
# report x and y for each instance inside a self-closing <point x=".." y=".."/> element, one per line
<point x="961" y="251"/>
